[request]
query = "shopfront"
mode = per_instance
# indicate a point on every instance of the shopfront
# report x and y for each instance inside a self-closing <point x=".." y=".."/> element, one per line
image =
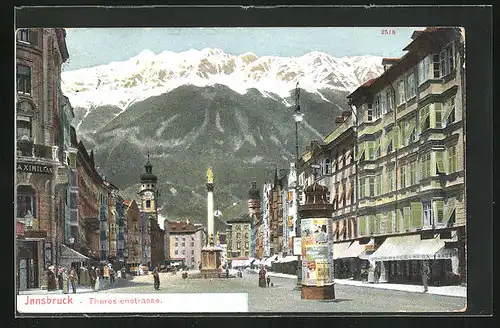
<point x="402" y="258"/>
<point x="28" y="264"/>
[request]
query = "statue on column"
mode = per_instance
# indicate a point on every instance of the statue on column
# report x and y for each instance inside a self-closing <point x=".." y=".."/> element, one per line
<point x="210" y="176"/>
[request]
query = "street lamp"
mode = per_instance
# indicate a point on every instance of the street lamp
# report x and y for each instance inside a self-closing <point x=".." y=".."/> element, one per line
<point x="28" y="220"/>
<point x="71" y="240"/>
<point x="298" y="117"/>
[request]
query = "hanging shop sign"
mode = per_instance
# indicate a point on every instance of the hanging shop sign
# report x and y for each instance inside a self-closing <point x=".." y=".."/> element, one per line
<point x="316" y="251"/>
<point x="34" y="168"/>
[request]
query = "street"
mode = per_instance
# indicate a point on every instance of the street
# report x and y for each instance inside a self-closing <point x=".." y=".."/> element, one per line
<point x="282" y="298"/>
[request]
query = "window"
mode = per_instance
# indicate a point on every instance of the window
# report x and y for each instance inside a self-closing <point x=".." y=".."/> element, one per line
<point x="449" y="113"/>
<point x="246" y="235"/>
<point x="390" y="100"/>
<point x="183" y="244"/>
<point x="238" y="227"/>
<point x="192" y="243"/>
<point x="148" y="203"/>
<point x="378" y="184"/>
<point x="401" y="92"/>
<point x="336" y="159"/>
<point x="435" y="65"/>
<point x="423" y="70"/>
<point x="444" y="62"/>
<point x="238" y="235"/>
<point x="413" y="173"/>
<point x="246" y="246"/>
<point x="370" y="112"/>
<point x="344" y="194"/>
<point x="23" y="79"/>
<point x="391" y="179"/>
<point x="371" y="184"/>
<point x="192" y="252"/>
<point x="26" y="201"/>
<point x="452" y="159"/>
<point x="376" y="107"/>
<point x="425" y="121"/>
<point x="344" y="157"/>
<point x="383" y="102"/>
<point x="23" y="127"/>
<point x="402" y="171"/>
<point x="427" y="214"/>
<point x="176" y="252"/>
<point x="176" y="244"/>
<point x="328" y="166"/>
<point x="440" y="163"/>
<point x="426" y="165"/>
<point x="351" y="156"/>
<point x="192" y="260"/>
<point x="183" y="252"/>
<point x="238" y="245"/>
<point x="438" y="211"/>
<point x="410" y="85"/>
<point x="27" y="36"/>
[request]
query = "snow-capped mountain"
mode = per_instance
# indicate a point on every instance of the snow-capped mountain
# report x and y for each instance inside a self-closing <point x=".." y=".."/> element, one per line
<point x="148" y="74"/>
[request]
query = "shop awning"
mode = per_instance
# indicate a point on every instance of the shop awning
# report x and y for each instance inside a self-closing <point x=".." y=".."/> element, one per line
<point x="69" y="255"/>
<point x="408" y="248"/>
<point x="354" y="250"/>
<point x="270" y="260"/>
<point x="240" y="263"/>
<point x="287" y="259"/>
<point x="339" y="249"/>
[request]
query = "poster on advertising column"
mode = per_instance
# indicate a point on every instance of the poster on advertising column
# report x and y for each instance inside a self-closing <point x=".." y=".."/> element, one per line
<point x="317" y="257"/>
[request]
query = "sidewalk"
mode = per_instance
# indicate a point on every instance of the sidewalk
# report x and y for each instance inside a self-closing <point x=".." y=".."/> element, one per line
<point x="455" y="291"/>
<point x="37" y="291"/>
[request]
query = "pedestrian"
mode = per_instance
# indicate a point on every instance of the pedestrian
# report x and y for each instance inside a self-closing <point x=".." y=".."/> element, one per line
<point x="93" y="277"/>
<point x="227" y="271"/>
<point x="200" y="266"/>
<point x="112" y="276"/>
<point x="268" y="280"/>
<point x="51" y="280"/>
<point x="262" y="277"/>
<point x="60" y="278"/>
<point x="425" y="275"/>
<point x="73" y="279"/>
<point x="156" y="277"/>
<point x="65" y="281"/>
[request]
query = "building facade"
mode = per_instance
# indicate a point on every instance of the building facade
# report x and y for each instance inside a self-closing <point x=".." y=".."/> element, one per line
<point x="148" y="206"/>
<point x="254" y="213"/>
<point x="39" y="56"/>
<point x="240" y="236"/>
<point x="263" y="229"/>
<point x="133" y="233"/>
<point x="185" y="242"/>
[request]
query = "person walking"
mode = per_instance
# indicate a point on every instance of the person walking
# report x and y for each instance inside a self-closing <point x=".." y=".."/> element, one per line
<point x="51" y="280"/>
<point x="425" y="275"/>
<point x="268" y="279"/>
<point x="112" y="276"/>
<point x="73" y="278"/>
<point x="60" y="278"/>
<point x="93" y="277"/>
<point x="156" y="277"/>
<point x="65" y="280"/>
<point x="262" y="277"/>
<point x="227" y="271"/>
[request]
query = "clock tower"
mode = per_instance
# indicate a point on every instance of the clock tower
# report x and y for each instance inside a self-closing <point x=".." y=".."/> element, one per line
<point x="147" y="200"/>
<point x="147" y="190"/>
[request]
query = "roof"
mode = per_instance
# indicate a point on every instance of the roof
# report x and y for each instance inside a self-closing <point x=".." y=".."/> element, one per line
<point x="180" y="227"/>
<point x="245" y="218"/>
<point x="369" y="82"/>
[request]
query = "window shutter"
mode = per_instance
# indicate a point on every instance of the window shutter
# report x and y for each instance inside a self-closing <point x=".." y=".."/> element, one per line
<point x="361" y="150"/>
<point x="397" y="226"/>
<point x="362" y="225"/>
<point x="378" y="222"/>
<point x="438" y="119"/>
<point x="371" y="219"/>
<point x="34" y="37"/>
<point x="440" y="162"/>
<point x="424" y="113"/>
<point x="376" y="148"/>
<point x="389" y="222"/>
<point x="449" y="208"/>
<point x="409" y="129"/>
<point x="385" y="185"/>
<point x="406" y="218"/>
<point x="371" y="186"/>
<point x="439" y="211"/>
<point x="362" y="188"/>
<point x="33" y="207"/>
<point x="396" y="133"/>
<point x="416" y="214"/>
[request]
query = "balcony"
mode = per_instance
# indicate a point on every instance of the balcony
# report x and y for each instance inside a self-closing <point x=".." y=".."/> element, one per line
<point x="28" y="149"/>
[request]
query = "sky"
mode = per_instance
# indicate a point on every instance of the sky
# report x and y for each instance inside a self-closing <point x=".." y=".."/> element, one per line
<point x="90" y="47"/>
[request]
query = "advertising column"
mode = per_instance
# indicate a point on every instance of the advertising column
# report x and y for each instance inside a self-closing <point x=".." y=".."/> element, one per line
<point x="317" y="258"/>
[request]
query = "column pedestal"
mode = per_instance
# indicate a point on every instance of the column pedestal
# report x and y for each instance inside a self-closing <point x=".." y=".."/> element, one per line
<point x="326" y="292"/>
<point x="211" y="262"/>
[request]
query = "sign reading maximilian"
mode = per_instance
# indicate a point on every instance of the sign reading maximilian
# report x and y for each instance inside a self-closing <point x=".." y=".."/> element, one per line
<point x="317" y="256"/>
<point x="34" y="168"/>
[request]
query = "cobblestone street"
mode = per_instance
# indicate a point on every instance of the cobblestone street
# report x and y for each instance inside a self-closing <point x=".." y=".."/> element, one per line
<point x="282" y="297"/>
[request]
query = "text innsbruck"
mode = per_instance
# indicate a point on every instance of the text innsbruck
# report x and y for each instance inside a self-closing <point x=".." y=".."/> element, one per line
<point x="132" y="303"/>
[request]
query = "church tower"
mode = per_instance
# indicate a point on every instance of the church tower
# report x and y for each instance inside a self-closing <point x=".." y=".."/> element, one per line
<point x="147" y="200"/>
<point x="147" y="190"/>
